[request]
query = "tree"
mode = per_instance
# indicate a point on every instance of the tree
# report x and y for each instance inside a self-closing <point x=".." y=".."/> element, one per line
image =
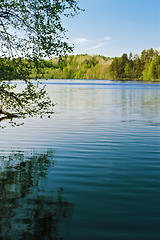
<point x="129" y="70"/>
<point x="152" y="69"/>
<point x="122" y="64"/>
<point x="137" y="67"/>
<point x="143" y="58"/>
<point x="114" y="68"/>
<point x="30" y="31"/>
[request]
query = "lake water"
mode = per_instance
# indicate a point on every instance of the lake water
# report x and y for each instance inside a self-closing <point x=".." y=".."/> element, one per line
<point x="89" y="172"/>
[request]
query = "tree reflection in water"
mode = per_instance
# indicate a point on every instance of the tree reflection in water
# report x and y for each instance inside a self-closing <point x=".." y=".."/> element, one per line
<point x="27" y="210"/>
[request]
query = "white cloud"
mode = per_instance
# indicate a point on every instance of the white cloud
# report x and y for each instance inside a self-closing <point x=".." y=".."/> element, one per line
<point x="107" y="38"/>
<point x="92" y="44"/>
<point x="82" y="41"/>
<point x="98" y="45"/>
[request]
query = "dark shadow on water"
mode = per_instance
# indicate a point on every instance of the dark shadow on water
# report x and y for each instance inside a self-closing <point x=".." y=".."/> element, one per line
<point x="27" y="209"/>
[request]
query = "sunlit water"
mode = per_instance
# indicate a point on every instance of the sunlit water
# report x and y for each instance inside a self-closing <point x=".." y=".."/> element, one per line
<point x="90" y="171"/>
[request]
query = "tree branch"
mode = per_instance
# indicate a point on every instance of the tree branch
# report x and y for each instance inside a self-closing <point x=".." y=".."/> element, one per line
<point x="9" y="115"/>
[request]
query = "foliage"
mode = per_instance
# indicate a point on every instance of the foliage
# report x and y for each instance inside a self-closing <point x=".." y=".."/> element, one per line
<point x="144" y="67"/>
<point x="30" y="31"/>
<point x="76" y="67"/>
<point x="36" y="25"/>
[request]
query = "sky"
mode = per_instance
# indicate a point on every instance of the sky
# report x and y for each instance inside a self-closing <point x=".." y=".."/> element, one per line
<point x="113" y="27"/>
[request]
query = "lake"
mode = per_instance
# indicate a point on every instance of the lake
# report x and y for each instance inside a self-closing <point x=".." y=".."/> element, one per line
<point x="90" y="171"/>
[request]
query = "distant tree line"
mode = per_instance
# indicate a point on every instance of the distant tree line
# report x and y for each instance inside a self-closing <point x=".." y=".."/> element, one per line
<point x="75" y="67"/>
<point x="143" y="67"/>
<point x="133" y="67"/>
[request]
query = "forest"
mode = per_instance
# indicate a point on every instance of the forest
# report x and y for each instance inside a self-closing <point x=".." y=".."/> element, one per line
<point x="145" y="66"/>
<point x="133" y="67"/>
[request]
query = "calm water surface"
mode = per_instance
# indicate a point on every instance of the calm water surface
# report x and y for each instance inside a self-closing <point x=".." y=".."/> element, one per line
<point x="91" y="171"/>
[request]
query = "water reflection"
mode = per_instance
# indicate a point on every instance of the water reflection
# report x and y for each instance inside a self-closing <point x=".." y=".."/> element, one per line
<point x="118" y="104"/>
<point x="27" y="210"/>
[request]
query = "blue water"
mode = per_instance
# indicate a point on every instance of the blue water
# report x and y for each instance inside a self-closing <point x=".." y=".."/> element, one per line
<point x="90" y="171"/>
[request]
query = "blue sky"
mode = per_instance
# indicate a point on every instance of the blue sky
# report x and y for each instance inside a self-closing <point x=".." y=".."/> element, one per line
<point x="114" y="27"/>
